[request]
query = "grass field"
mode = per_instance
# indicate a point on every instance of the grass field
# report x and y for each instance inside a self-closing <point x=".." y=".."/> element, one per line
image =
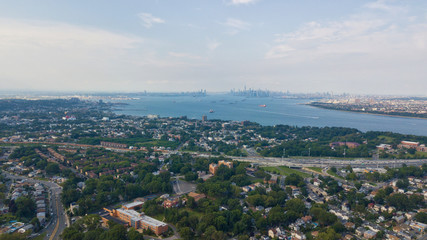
<point x="317" y="169"/>
<point x="283" y="170"/>
<point x="334" y="174"/>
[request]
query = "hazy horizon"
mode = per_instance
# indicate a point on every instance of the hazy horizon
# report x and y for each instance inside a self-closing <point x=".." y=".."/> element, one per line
<point x="65" y="93"/>
<point x="370" y="47"/>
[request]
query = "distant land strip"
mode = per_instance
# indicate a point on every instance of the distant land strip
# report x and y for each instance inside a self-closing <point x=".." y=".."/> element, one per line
<point x="381" y="113"/>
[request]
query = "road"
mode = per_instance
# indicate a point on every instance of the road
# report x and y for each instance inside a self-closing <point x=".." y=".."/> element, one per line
<point x="326" y="162"/>
<point x="56" y="226"/>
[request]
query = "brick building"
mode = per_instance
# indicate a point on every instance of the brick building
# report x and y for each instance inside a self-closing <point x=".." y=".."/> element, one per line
<point x="213" y="167"/>
<point x="137" y="220"/>
<point x="113" y="145"/>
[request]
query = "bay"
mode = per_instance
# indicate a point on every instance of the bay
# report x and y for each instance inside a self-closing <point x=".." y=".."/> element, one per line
<point x="292" y="112"/>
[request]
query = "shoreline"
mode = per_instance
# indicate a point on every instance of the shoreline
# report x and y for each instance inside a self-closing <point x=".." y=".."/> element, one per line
<point x="378" y="114"/>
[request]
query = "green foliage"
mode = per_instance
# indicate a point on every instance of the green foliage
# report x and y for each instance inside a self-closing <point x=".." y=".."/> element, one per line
<point x="134" y="235"/>
<point x="14" y="236"/>
<point x="296" y="205"/>
<point x="190" y="176"/>
<point x="421" y="217"/>
<point x="322" y="216"/>
<point x="276" y="216"/>
<point x="402" y="203"/>
<point x="52" y="168"/>
<point x="295" y="180"/>
<point x="89" y="228"/>
<point x="402" y="183"/>
<point x="329" y="234"/>
<point x="186" y="233"/>
<point x="338" y="227"/>
<point x="25" y="207"/>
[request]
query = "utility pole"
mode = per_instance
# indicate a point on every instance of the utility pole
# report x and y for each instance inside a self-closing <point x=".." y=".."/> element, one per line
<point x="284" y="152"/>
<point x="309" y="149"/>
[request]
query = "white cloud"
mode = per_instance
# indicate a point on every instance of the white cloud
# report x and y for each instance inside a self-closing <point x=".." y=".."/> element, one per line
<point x="213" y="44"/>
<point x="384" y="6"/>
<point x="148" y="20"/>
<point x="41" y="55"/>
<point x="317" y="37"/>
<point x="40" y="34"/>
<point x="237" y="24"/>
<point x="332" y="31"/>
<point x="279" y="51"/>
<point x="184" y="55"/>
<point x="365" y="52"/>
<point x="242" y="2"/>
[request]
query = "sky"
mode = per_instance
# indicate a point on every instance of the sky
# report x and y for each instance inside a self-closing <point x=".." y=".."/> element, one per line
<point x="305" y="46"/>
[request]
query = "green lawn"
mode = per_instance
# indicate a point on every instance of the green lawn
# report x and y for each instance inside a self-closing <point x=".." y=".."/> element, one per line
<point x="192" y="212"/>
<point x="283" y="170"/>
<point x="288" y="171"/>
<point x="255" y="180"/>
<point x="160" y="217"/>
<point x="317" y="169"/>
<point x="272" y="169"/>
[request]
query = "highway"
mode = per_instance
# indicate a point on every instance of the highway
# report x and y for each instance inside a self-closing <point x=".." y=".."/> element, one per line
<point x="57" y="224"/>
<point x="326" y="162"/>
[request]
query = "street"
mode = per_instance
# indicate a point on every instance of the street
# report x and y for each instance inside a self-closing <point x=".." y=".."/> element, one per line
<point x="57" y="223"/>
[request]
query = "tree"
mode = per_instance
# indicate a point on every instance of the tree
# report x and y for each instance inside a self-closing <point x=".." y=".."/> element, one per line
<point x="52" y="168"/>
<point x="186" y="233"/>
<point x="276" y="215"/>
<point x="135" y="235"/>
<point x="329" y="234"/>
<point x="36" y="223"/>
<point x="191" y="176"/>
<point x="322" y="216"/>
<point x="358" y="185"/>
<point x="380" y="196"/>
<point x="290" y="217"/>
<point x="208" y="232"/>
<point x="402" y="183"/>
<point x="294" y="179"/>
<point x="296" y="205"/>
<point x="25" y="207"/>
<point x="72" y="234"/>
<point x="338" y="227"/>
<point x="349" y="168"/>
<point x="421" y="217"/>
<point x="220" y="223"/>
<point x="399" y="200"/>
<point x="261" y="223"/>
<point x="115" y="233"/>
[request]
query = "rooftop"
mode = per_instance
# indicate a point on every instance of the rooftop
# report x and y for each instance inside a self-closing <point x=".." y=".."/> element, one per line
<point x="153" y="222"/>
<point x="133" y="204"/>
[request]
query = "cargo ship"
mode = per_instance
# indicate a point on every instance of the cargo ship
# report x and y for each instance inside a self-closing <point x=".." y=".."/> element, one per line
<point x="263" y="105"/>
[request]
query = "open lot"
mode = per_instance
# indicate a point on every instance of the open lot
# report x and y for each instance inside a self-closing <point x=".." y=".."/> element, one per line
<point x="182" y="187"/>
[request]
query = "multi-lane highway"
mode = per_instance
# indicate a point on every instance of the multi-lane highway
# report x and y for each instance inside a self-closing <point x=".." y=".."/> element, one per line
<point x="57" y="224"/>
<point x="326" y="162"/>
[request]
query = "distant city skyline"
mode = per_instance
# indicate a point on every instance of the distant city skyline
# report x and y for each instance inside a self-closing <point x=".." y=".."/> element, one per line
<point x="356" y="46"/>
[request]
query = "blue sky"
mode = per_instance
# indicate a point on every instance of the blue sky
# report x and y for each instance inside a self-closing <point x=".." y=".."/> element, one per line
<point x="368" y="47"/>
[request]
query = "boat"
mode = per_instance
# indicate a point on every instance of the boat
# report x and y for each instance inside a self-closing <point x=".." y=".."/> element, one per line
<point x="211" y="111"/>
<point x="263" y="105"/>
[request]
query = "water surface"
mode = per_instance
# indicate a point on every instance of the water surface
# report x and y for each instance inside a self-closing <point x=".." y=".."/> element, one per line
<point x="277" y="111"/>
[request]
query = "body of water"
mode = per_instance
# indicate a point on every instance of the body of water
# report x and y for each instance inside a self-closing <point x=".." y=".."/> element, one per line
<point x="276" y="111"/>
